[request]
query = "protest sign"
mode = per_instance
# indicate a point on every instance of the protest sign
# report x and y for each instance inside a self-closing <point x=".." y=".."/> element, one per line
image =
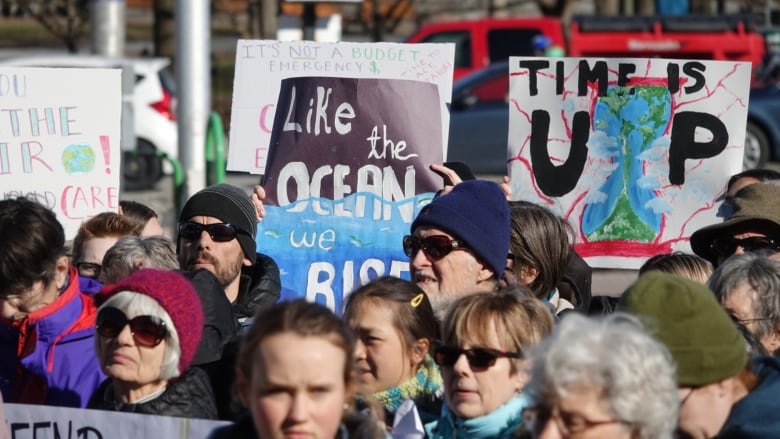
<point x="59" y="139"/>
<point x="47" y="422"/>
<point x="261" y="65"/>
<point x="348" y="174"/>
<point x="633" y="153"/>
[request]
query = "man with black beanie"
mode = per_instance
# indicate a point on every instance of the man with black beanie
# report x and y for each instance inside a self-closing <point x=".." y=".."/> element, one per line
<point x="217" y="231"/>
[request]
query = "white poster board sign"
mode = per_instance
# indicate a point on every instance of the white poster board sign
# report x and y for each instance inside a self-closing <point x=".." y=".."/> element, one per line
<point x="59" y="139"/>
<point x="261" y="65"/>
<point x="46" y="422"/>
<point x="633" y="153"/>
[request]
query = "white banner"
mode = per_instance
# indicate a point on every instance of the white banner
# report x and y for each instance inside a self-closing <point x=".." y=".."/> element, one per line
<point x="46" y="422"/>
<point x="261" y="66"/>
<point x="59" y="139"/>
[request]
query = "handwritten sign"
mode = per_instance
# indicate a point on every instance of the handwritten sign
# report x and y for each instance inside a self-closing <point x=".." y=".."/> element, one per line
<point x="261" y="65"/>
<point x="45" y="422"/>
<point x="348" y="174"/>
<point x="634" y="153"/>
<point x="59" y="139"/>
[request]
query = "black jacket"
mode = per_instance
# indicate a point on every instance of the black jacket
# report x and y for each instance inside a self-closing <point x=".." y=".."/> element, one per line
<point x="188" y="396"/>
<point x="220" y="324"/>
<point x="260" y="287"/>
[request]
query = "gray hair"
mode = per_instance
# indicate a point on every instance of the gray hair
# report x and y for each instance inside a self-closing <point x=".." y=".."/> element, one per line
<point x="139" y="304"/>
<point x="614" y="355"/>
<point x="131" y="253"/>
<point x="762" y="275"/>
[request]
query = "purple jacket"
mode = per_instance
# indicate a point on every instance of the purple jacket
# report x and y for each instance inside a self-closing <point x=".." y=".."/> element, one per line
<point x="49" y="356"/>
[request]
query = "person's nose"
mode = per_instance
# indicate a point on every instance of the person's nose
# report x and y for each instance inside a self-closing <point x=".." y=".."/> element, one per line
<point x="360" y="350"/>
<point x="420" y="259"/>
<point x="461" y="366"/>
<point x="298" y="409"/>
<point x="125" y="336"/>
<point x="548" y="430"/>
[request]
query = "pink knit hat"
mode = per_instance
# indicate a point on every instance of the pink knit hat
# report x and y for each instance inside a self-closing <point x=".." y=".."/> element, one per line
<point x="177" y="297"/>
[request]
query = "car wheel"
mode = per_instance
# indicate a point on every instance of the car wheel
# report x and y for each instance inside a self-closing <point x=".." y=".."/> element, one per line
<point x="756" y="147"/>
<point x="141" y="168"/>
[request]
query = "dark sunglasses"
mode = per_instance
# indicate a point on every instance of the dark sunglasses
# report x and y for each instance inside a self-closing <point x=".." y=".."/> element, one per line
<point x="147" y="330"/>
<point x="88" y="269"/>
<point x="435" y="246"/>
<point x="478" y="358"/>
<point x="725" y="247"/>
<point x="219" y="232"/>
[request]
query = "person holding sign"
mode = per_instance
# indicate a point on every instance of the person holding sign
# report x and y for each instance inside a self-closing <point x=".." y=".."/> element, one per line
<point x="47" y="324"/>
<point x="296" y="376"/>
<point x="149" y="326"/>
<point x="228" y="247"/>
<point x="459" y="242"/>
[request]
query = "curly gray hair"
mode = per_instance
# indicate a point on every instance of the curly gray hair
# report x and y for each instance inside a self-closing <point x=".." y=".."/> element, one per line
<point x="131" y="253"/>
<point x="632" y="371"/>
<point x="762" y="275"/>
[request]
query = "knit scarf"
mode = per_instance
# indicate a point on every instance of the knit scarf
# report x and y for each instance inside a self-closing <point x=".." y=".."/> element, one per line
<point x="427" y="381"/>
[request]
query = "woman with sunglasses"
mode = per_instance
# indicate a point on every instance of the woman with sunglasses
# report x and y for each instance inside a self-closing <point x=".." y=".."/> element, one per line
<point x="148" y="329"/>
<point x="395" y="329"/>
<point x="483" y="363"/>
<point x="296" y="377"/>
<point x="601" y="379"/>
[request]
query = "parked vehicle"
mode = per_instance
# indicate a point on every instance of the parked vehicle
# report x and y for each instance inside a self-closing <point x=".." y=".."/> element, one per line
<point x="154" y="114"/>
<point x="479" y="122"/>
<point x="479" y="43"/>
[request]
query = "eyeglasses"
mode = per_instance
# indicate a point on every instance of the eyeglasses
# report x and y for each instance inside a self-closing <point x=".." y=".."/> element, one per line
<point x="147" y="331"/>
<point x="88" y="269"/>
<point x="478" y="358"/>
<point x="569" y="424"/>
<point x="725" y="247"/>
<point x="435" y="246"/>
<point x="219" y="232"/>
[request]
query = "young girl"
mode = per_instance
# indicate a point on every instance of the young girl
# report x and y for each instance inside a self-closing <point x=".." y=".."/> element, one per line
<point x="395" y="329"/>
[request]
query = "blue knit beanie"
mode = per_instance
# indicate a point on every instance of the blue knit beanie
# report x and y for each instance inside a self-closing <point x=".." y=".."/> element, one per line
<point x="477" y="213"/>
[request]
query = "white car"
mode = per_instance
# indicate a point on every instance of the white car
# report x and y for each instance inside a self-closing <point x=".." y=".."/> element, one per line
<point x="154" y="114"/>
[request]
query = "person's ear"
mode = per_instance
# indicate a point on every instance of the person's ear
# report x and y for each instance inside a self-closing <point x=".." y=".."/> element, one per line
<point x="247" y="262"/>
<point x="61" y="267"/>
<point x="773" y="341"/>
<point x="420" y="349"/>
<point x="527" y="274"/>
<point x="521" y="376"/>
<point x="486" y="273"/>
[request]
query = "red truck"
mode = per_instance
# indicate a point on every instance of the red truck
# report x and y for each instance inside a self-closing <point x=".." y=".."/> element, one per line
<point x="479" y="43"/>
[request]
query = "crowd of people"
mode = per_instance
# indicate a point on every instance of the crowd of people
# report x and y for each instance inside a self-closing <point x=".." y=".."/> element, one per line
<point x="495" y="335"/>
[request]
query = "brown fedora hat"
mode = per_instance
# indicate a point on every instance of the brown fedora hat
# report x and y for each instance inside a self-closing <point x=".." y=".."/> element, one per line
<point x="755" y="206"/>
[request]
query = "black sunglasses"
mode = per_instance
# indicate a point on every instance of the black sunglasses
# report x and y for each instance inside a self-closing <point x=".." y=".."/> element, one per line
<point x="478" y="358"/>
<point x="219" y="232"/>
<point x="435" y="246"/>
<point x="88" y="269"/>
<point x="147" y="330"/>
<point x="725" y="247"/>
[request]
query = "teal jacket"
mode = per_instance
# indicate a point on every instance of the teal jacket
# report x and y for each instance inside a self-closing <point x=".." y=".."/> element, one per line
<point x="500" y="423"/>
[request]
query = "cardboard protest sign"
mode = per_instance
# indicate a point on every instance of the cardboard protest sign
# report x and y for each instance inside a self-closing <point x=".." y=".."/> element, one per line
<point x="59" y="139"/>
<point x="48" y="422"/>
<point x="348" y="174"/>
<point x="261" y="65"/>
<point x="634" y="153"/>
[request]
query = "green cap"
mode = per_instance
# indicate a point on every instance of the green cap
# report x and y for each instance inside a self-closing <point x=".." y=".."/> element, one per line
<point x="686" y="317"/>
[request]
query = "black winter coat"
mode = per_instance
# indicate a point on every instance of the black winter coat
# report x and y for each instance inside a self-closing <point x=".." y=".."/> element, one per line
<point x="260" y="287"/>
<point x="188" y="396"/>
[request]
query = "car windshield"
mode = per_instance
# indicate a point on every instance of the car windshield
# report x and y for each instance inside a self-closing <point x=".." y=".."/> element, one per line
<point x="167" y="81"/>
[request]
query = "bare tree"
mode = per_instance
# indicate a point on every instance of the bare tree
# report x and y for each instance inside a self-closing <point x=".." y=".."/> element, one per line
<point x="65" y="19"/>
<point x="556" y="8"/>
